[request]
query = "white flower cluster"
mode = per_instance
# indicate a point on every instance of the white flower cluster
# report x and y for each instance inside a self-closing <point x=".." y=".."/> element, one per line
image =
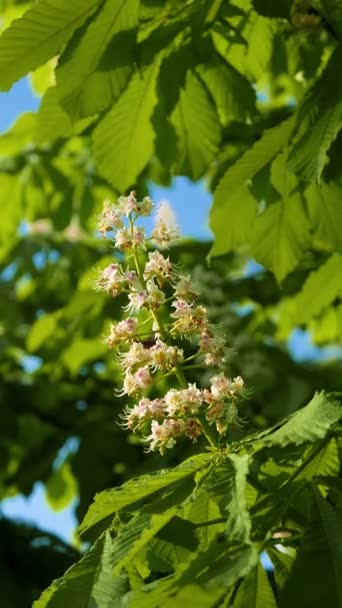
<point x="161" y="311"/>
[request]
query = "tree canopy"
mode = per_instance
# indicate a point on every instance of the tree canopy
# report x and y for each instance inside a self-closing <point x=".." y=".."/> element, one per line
<point x="247" y="96"/>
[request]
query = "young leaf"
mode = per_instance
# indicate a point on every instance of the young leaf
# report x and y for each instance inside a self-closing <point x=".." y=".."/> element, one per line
<point x="234" y="209"/>
<point x="123" y="140"/>
<point x="38" y="35"/>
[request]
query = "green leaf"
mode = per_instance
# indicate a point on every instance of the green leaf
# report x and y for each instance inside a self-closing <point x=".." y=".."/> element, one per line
<point x="88" y="582"/>
<point x="39" y="35"/>
<point x="315" y="578"/>
<point x="123" y="140"/>
<point x="326" y="462"/>
<point x="81" y="351"/>
<point x="191" y="594"/>
<point x="95" y="73"/>
<point x="281" y="232"/>
<point x="18" y="136"/>
<point x="197" y="127"/>
<point x="107" y="503"/>
<point x="53" y="122"/>
<point x="232" y="93"/>
<point x="255" y="591"/>
<point x="319" y="119"/>
<point x="269" y="8"/>
<point x="43" y="78"/>
<point x="226" y="484"/>
<point x="282" y="563"/>
<point x="136" y="534"/>
<point x="61" y="488"/>
<point x="41" y="331"/>
<point x="325" y="210"/>
<point x="320" y="289"/>
<point x="310" y="423"/>
<point x="234" y="208"/>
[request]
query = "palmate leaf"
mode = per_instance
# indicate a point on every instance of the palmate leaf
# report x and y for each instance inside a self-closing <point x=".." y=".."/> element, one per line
<point x="255" y="591"/>
<point x="315" y="578"/>
<point x="87" y="80"/>
<point x="281" y="233"/>
<point x="39" y="35"/>
<point x="197" y="127"/>
<point x="319" y="120"/>
<point x="234" y="209"/>
<point x="123" y="140"/>
<point x="107" y="503"/>
<point x="88" y="582"/>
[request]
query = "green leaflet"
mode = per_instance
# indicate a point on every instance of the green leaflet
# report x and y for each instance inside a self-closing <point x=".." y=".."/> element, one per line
<point x="325" y="462"/>
<point x="53" y="122"/>
<point x="319" y="119"/>
<point x="325" y="210"/>
<point x="269" y="8"/>
<point x="190" y="595"/>
<point x="123" y="140"/>
<point x="107" y="503"/>
<point x="255" y="591"/>
<point x="233" y="95"/>
<point x="38" y="35"/>
<point x="225" y="483"/>
<point x="234" y="209"/>
<point x="282" y="563"/>
<point x="89" y="581"/>
<point x="308" y="424"/>
<point x="319" y="290"/>
<point x="281" y="233"/>
<point x="61" y="487"/>
<point x="315" y="578"/>
<point x="95" y="73"/>
<point x="20" y="135"/>
<point x="197" y="127"/>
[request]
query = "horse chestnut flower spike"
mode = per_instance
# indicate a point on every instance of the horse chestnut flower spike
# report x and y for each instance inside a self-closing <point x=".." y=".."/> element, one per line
<point x="147" y="340"/>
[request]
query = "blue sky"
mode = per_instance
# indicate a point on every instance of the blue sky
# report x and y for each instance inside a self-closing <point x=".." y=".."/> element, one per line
<point x="192" y="220"/>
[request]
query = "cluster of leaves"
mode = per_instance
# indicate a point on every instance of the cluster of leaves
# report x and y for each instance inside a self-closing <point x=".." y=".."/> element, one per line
<point x="194" y="533"/>
<point x="134" y="91"/>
